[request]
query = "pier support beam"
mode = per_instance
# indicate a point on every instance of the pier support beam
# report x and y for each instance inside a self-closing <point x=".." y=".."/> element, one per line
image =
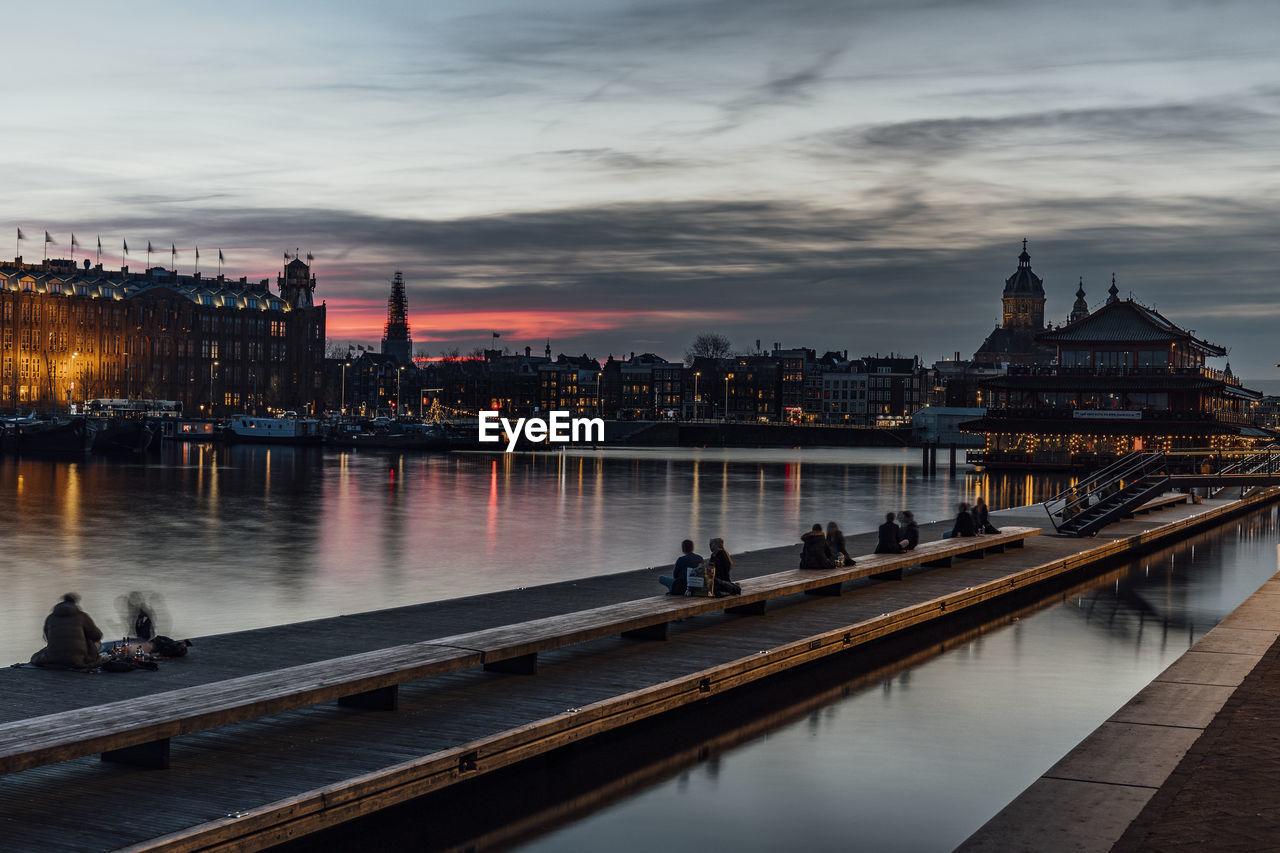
<point x="833" y="589"/>
<point x="523" y="665"/>
<point x="941" y="563"/>
<point x="891" y="575"/>
<point x="379" y="699"/>
<point x="651" y="632"/>
<point x="153" y="755"/>
<point x="952" y="465"/>
<point x="755" y="608"/>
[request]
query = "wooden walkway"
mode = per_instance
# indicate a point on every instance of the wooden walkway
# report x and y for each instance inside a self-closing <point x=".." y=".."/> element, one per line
<point x="263" y="781"/>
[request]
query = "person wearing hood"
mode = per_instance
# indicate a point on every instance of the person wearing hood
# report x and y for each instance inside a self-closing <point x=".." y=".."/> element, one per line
<point x="910" y="531"/>
<point x="70" y="636"/>
<point x="817" y="551"/>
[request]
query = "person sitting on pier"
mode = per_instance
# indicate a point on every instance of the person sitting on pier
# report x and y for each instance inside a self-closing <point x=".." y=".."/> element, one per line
<point x="835" y="538"/>
<point x="71" y="636"/>
<point x="982" y="517"/>
<point x="678" y="582"/>
<point x="817" y="551"/>
<point x="910" y="531"/>
<point x="890" y="536"/>
<point x="723" y="564"/>
<point x="963" y="525"/>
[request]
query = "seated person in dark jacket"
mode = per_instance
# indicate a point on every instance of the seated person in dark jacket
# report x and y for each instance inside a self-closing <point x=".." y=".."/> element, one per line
<point x="723" y="564"/>
<point x="890" y="537"/>
<point x="817" y="551"/>
<point x="910" y="532"/>
<point x="678" y="583"/>
<point x="964" y="523"/>
<point x="71" y="636"/>
<point x="981" y="518"/>
<point x="835" y="538"/>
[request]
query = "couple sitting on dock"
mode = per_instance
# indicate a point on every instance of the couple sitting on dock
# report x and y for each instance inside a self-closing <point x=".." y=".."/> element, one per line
<point x="895" y="539"/>
<point x="718" y="566"/>
<point x="971" y="522"/>
<point x="824" y="551"/>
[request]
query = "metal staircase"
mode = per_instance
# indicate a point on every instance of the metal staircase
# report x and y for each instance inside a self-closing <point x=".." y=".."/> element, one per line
<point x="1108" y="495"/>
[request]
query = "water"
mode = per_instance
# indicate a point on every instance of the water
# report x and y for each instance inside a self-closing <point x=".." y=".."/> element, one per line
<point x="919" y="759"/>
<point x="244" y="537"/>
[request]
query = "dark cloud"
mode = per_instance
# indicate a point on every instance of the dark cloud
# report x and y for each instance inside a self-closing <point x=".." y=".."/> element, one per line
<point x="788" y="272"/>
<point x="1183" y="125"/>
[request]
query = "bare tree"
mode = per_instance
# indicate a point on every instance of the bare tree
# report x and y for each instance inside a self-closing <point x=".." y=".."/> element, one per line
<point x="335" y="350"/>
<point x="708" y="345"/>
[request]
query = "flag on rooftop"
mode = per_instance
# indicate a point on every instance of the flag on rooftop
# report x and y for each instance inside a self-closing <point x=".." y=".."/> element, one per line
<point x="99" y="242"/>
<point x="21" y="236"/>
<point x="220" y="258"/>
<point x="49" y="239"/>
<point x="497" y="334"/>
<point x="126" y="246"/>
<point x="74" y="242"/>
<point x="149" y="249"/>
<point x="197" y="253"/>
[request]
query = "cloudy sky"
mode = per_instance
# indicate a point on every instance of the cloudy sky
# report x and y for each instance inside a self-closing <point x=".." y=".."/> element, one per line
<point x="619" y="176"/>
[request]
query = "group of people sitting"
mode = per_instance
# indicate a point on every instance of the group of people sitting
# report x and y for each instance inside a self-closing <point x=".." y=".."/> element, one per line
<point x="826" y="550"/>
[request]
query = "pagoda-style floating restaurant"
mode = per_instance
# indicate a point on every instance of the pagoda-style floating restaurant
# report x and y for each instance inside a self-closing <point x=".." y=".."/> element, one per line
<point x="1125" y="378"/>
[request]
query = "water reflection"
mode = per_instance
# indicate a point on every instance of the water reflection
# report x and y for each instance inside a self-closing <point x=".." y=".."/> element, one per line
<point x="247" y="536"/>
<point x="920" y="753"/>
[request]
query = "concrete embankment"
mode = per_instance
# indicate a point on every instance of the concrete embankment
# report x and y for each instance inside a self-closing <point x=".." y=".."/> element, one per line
<point x="1188" y="764"/>
<point x="252" y="784"/>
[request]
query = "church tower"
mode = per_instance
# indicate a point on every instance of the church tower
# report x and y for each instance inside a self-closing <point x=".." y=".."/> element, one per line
<point x="1024" y="298"/>
<point x="395" y="336"/>
<point x="1081" y="309"/>
<point x="297" y="284"/>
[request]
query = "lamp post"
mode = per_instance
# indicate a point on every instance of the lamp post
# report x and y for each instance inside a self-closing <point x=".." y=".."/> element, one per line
<point x="696" y="374"/>
<point x="72" y="370"/>
<point x="599" y="373"/>
<point x="727" y="377"/>
<point x="399" y="398"/>
<point x="213" y="399"/>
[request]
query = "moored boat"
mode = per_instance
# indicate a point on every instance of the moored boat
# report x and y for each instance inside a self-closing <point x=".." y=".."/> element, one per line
<point x="288" y="429"/>
<point x="56" y="437"/>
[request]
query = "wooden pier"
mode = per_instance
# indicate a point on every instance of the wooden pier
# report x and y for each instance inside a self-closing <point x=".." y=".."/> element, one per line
<point x="289" y="770"/>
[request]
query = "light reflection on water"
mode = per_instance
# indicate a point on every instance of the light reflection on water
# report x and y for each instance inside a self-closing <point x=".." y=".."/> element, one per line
<point x="919" y="759"/>
<point x="241" y="537"/>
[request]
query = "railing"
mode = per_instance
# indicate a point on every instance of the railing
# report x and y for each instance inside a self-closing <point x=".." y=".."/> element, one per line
<point x="1206" y="372"/>
<point x="1066" y="413"/>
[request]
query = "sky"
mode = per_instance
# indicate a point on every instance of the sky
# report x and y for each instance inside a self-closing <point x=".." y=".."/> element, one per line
<point x="621" y="176"/>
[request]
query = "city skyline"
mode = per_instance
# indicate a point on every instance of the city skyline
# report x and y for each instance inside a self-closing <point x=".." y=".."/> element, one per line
<point x="617" y="176"/>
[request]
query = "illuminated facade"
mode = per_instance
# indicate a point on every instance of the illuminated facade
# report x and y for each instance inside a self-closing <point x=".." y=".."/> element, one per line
<point x="219" y="346"/>
<point x="1125" y="378"/>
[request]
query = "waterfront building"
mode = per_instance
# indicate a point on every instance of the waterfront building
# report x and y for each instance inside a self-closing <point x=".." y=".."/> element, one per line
<point x="217" y="345"/>
<point x="1124" y="378"/>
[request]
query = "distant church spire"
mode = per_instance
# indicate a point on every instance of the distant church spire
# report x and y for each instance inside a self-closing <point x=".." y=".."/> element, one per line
<point x="395" y="336"/>
<point x="1113" y="290"/>
<point x="1080" y="309"/>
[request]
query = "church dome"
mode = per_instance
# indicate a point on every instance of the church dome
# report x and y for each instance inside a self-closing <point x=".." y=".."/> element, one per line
<point x="1023" y="282"/>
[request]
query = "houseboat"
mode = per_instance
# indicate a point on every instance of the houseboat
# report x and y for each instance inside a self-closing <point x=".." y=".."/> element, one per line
<point x="287" y="429"/>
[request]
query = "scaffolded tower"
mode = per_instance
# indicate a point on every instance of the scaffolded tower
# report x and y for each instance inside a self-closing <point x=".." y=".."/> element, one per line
<point x="395" y="337"/>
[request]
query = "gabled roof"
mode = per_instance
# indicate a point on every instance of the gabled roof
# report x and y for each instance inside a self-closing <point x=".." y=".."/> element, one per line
<point x="1126" y="322"/>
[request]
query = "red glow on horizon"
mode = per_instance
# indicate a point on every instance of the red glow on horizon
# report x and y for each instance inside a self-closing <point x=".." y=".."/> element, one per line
<point x="352" y="319"/>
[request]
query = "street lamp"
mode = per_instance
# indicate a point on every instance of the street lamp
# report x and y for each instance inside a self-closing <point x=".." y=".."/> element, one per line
<point x="212" y="396"/>
<point x="72" y="371"/>
<point x="399" y="398"/>
<point x="599" y="373"/>
<point x="728" y="376"/>
<point x="696" y="374"/>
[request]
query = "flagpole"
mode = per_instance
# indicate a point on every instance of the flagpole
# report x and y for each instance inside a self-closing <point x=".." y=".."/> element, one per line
<point x="73" y="248"/>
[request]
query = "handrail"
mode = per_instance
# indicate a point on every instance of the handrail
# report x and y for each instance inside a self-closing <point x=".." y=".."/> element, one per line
<point x="1133" y="467"/>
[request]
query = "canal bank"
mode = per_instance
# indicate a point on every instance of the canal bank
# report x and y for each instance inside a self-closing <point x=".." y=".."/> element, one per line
<point x="289" y="750"/>
<point x="1188" y="763"/>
